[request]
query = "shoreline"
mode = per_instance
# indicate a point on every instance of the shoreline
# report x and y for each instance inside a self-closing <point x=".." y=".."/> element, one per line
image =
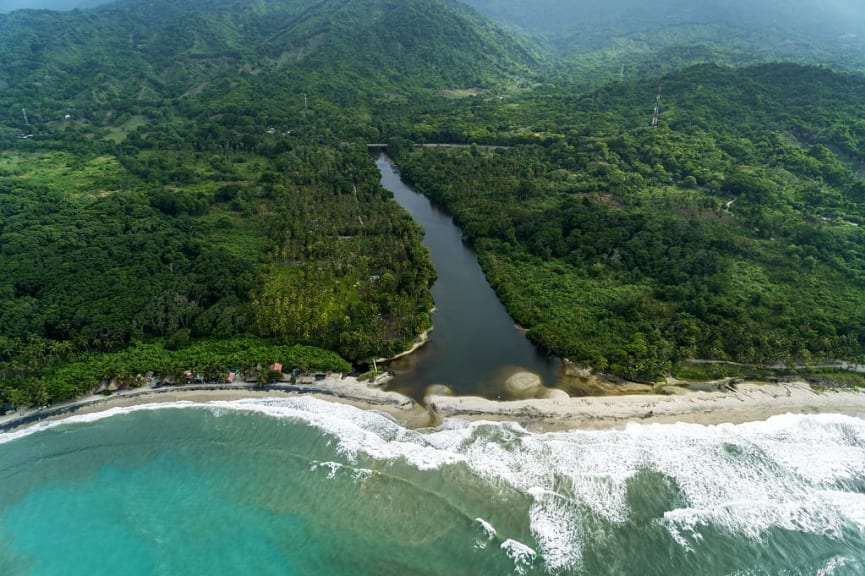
<point x="348" y="390"/>
<point x="420" y="341"/>
<point x="748" y="402"/>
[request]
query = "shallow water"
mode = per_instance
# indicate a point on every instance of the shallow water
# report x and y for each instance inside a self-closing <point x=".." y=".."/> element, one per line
<point x="301" y="486"/>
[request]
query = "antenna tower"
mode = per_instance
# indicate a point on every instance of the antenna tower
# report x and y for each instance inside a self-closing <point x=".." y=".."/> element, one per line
<point x="657" y="111"/>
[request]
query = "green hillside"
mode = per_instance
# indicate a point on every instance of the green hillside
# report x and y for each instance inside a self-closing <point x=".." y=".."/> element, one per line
<point x="133" y="54"/>
<point x="732" y="232"/>
<point x="180" y="179"/>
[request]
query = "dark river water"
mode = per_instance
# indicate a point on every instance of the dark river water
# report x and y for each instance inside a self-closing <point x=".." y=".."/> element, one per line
<point x="474" y="346"/>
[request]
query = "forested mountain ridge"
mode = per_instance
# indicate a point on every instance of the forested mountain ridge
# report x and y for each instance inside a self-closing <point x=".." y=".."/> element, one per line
<point x="12" y="5"/>
<point x="816" y="17"/>
<point x="134" y="54"/>
<point x="625" y="39"/>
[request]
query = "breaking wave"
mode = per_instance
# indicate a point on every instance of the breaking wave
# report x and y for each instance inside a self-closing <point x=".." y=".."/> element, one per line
<point x="798" y="473"/>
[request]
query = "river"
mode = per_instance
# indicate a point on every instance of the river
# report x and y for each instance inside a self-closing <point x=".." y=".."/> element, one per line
<point x="475" y="345"/>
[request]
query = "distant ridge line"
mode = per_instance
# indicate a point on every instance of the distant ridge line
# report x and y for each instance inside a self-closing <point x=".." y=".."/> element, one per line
<point x="379" y="146"/>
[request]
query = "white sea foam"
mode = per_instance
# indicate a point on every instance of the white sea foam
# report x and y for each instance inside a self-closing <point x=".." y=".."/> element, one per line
<point x="832" y="565"/>
<point x="332" y="468"/>
<point x="488" y="532"/>
<point x="356" y="431"/>
<point x="752" y="477"/>
<point x="358" y="474"/>
<point x="88" y="418"/>
<point x="787" y="472"/>
<point x="523" y="556"/>
<point x="558" y="532"/>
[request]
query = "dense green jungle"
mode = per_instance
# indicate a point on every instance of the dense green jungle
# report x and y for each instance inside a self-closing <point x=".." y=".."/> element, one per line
<point x="187" y="185"/>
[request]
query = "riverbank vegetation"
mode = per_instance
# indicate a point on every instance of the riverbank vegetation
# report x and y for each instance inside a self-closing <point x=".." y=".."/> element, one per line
<point x="730" y="232"/>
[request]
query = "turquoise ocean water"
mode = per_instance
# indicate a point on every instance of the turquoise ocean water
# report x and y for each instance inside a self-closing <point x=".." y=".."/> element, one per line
<point x="301" y="486"/>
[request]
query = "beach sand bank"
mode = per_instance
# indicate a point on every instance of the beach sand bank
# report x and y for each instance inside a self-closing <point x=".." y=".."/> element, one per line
<point x="749" y="401"/>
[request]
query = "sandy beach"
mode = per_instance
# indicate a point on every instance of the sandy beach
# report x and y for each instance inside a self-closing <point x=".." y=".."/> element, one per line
<point x="749" y="401"/>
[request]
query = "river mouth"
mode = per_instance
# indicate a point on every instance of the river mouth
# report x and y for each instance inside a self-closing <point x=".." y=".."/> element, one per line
<point x="475" y="348"/>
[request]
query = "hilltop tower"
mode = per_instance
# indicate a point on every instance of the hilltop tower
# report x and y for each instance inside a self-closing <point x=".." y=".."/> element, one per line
<point x="657" y="111"/>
